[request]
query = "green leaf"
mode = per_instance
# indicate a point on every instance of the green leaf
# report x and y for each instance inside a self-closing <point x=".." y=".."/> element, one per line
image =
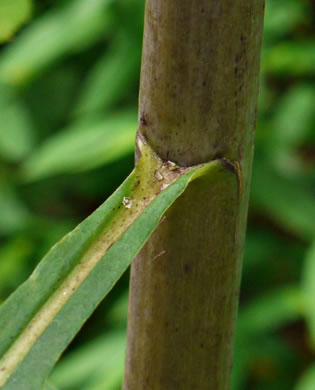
<point x="117" y="316"/>
<point x="271" y="311"/>
<point x="100" y="357"/>
<point x="307" y="381"/>
<point x="13" y="13"/>
<point x="17" y="133"/>
<point x="40" y="319"/>
<point x="308" y="287"/>
<point x="14" y="215"/>
<point x="83" y="146"/>
<point x="259" y="318"/>
<point x="50" y="386"/>
<point x="111" y="77"/>
<point x="292" y="124"/>
<point x="13" y="263"/>
<point x="274" y="259"/>
<point x="266" y="357"/>
<point x="282" y="16"/>
<point x="108" y="381"/>
<point x="292" y="58"/>
<point x="288" y="201"/>
<point x="241" y="365"/>
<point x="54" y="35"/>
<point x="294" y="115"/>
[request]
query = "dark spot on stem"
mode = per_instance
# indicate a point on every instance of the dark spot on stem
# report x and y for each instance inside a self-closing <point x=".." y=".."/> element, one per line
<point x="229" y="165"/>
<point x="143" y="120"/>
<point x="218" y="155"/>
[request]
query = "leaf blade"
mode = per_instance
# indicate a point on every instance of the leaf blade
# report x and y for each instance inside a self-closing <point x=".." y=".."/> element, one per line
<point x="308" y="288"/>
<point x="12" y="15"/>
<point x="83" y="146"/>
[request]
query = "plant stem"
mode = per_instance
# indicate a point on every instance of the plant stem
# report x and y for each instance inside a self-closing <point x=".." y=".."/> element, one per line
<point x="198" y="102"/>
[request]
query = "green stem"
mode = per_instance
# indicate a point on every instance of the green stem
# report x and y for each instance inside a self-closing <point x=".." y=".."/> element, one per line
<point x="198" y="103"/>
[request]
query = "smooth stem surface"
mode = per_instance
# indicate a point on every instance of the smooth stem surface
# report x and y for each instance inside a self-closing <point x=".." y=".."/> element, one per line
<point x="198" y="102"/>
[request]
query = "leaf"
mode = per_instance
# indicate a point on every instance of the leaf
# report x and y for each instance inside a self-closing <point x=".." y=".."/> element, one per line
<point x="292" y="58"/>
<point x="56" y="34"/>
<point x="83" y="146"/>
<point x="13" y="263"/>
<point x="110" y="77"/>
<point x="14" y="215"/>
<point x="266" y="357"/>
<point x="108" y="381"/>
<point x="40" y="319"/>
<point x="117" y="316"/>
<point x="271" y="258"/>
<point x="307" y="381"/>
<point x="292" y="124"/>
<point x="286" y="200"/>
<point x="50" y="386"/>
<point x="294" y="115"/>
<point x="17" y="133"/>
<point x="308" y="287"/>
<point x="271" y="311"/>
<point x="100" y="357"/>
<point x="282" y="16"/>
<point x="256" y="320"/>
<point x="12" y="15"/>
<point x="50" y="98"/>
<point x="241" y="365"/>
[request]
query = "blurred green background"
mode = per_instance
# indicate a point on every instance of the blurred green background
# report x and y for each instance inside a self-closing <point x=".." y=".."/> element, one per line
<point x="69" y="74"/>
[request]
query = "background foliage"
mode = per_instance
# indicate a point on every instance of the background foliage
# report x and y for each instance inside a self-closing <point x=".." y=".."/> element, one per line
<point x="68" y="106"/>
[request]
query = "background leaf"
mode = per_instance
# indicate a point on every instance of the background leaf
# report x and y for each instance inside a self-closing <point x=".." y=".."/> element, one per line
<point x="14" y="215"/>
<point x="85" y="145"/>
<point x="307" y="381"/>
<point x="111" y="77"/>
<point x="88" y="364"/>
<point x="289" y="202"/>
<point x="12" y="15"/>
<point x="17" y="133"/>
<point x="308" y="286"/>
<point x="55" y="35"/>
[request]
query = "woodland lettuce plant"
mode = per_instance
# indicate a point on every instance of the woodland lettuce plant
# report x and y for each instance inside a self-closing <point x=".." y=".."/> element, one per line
<point x="198" y="107"/>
